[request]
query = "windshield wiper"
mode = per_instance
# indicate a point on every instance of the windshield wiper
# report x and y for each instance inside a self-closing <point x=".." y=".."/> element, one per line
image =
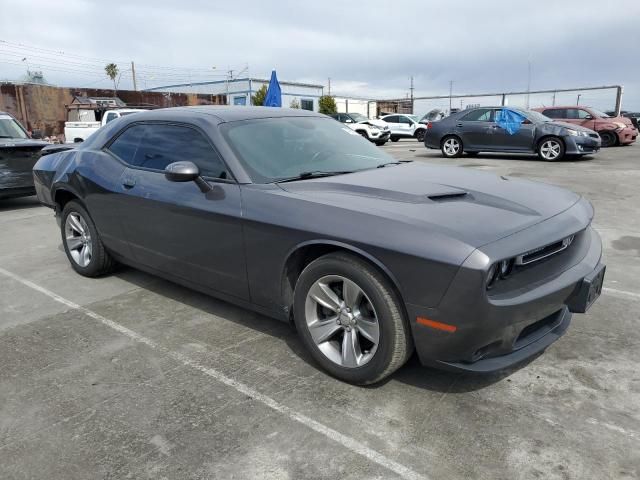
<point x="397" y="162"/>
<point x="313" y="174"/>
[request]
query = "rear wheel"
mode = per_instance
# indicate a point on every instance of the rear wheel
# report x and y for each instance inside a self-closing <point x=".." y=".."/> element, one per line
<point x="609" y="139"/>
<point x="451" y="147"/>
<point x="551" y="149"/>
<point x="420" y="133"/>
<point x="350" y="319"/>
<point x="82" y="243"/>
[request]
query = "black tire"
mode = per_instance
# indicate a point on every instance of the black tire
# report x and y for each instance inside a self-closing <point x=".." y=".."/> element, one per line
<point x="101" y="262"/>
<point x="553" y="143"/>
<point x="381" y="142"/>
<point x="395" y="345"/>
<point x="394" y="139"/>
<point x="450" y="152"/>
<point x="472" y="154"/>
<point x="419" y="134"/>
<point x="609" y="139"/>
<point x="363" y="134"/>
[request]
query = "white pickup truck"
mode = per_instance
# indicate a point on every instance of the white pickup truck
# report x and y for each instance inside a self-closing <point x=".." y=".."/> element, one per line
<point x="83" y="122"/>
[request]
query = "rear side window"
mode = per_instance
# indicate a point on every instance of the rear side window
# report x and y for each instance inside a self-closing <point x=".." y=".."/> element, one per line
<point x="155" y="146"/>
<point x="479" y="115"/>
<point x="392" y="119"/>
<point x="555" y="113"/>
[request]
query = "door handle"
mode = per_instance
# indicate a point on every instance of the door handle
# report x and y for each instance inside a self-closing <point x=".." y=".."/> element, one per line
<point x="129" y="182"/>
<point x="459" y="124"/>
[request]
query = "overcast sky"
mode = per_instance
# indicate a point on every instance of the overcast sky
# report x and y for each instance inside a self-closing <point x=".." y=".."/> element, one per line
<point x="367" y="48"/>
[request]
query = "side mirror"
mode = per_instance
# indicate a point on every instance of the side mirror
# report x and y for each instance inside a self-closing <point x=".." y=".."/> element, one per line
<point x="182" y="172"/>
<point x="348" y="120"/>
<point x="527" y="122"/>
<point x="589" y="117"/>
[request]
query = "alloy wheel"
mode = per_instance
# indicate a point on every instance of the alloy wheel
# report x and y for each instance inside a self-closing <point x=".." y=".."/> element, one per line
<point x="451" y="146"/>
<point x="550" y="149"/>
<point x="342" y="321"/>
<point x="78" y="239"/>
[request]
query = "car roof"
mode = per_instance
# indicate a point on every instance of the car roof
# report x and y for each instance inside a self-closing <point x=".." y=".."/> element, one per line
<point x="226" y="113"/>
<point x="555" y="107"/>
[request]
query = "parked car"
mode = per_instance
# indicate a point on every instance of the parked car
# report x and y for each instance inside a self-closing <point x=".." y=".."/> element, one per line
<point x="475" y="130"/>
<point x="612" y="130"/>
<point x="373" y="130"/>
<point x="633" y="116"/>
<point x="18" y="155"/>
<point x="288" y="213"/>
<point x="87" y="121"/>
<point x="405" y="126"/>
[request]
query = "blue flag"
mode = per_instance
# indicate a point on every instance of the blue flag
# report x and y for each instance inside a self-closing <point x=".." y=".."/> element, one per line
<point x="510" y="120"/>
<point x="274" y="95"/>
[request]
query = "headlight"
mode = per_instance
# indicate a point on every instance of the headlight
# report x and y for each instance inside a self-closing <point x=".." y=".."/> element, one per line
<point x="374" y="129"/>
<point x="499" y="270"/>
<point x="576" y="133"/>
<point x="620" y="125"/>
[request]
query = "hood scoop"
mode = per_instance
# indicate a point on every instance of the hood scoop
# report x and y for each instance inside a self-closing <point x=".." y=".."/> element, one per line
<point x="447" y="196"/>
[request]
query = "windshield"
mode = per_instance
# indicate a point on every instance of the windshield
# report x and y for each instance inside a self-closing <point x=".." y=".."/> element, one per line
<point x="535" y="117"/>
<point x="599" y="114"/>
<point x="273" y="149"/>
<point x="9" y="128"/>
<point x="358" y="117"/>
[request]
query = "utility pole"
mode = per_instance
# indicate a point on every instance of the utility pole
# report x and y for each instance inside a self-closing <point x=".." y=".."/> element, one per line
<point x="411" y="89"/>
<point x="578" y="99"/>
<point x="528" y="83"/>
<point x="133" y="74"/>
<point x="329" y="89"/>
<point x="450" y="94"/>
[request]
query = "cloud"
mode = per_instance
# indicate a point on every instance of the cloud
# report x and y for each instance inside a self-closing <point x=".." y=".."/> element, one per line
<point x="369" y="49"/>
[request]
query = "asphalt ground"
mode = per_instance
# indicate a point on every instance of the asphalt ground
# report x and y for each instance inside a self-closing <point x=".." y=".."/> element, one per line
<point x="130" y="376"/>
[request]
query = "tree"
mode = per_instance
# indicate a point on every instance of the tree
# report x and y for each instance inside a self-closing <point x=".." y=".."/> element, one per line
<point x="327" y="105"/>
<point x="294" y="103"/>
<point x="258" y="98"/>
<point x="112" y="72"/>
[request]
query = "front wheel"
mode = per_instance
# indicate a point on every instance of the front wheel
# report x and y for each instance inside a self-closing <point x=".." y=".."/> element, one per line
<point x="609" y="139"/>
<point x="363" y="134"/>
<point x="82" y="243"/>
<point x="551" y="149"/>
<point x="350" y="319"/>
<point x="394" y="138"/>
<point x="451" y="147"/>
<point x="381" y="142"/>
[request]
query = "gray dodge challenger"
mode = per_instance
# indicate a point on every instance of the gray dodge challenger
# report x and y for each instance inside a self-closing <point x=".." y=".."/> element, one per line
<point x="292" y="214"/>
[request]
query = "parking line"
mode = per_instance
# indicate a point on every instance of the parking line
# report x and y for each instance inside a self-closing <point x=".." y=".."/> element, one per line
<point x="344" y="440"/>
<point x="623" y="293"/>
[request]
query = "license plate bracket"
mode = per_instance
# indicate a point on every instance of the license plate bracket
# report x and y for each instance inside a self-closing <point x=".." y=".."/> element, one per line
<point x="589" y="291"/>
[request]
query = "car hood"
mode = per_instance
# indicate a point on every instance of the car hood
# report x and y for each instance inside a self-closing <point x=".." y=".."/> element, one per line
<point x="378" y="123"/>
<point x="21" y="143"/>
<point x="572" y="126"/>
<point x="471" y="206"/>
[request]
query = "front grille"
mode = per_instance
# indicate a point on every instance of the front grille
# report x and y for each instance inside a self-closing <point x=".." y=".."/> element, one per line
<point x="538" y="329"/>
<point x="594" y="135"/>
<point x="544" y="252"/>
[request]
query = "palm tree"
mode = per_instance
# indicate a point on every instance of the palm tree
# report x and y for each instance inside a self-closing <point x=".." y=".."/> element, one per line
<point x="112" y="73"/>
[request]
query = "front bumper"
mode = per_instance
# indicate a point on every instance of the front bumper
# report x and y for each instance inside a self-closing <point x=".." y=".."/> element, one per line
<point x="581" y="145"/>
<point x="496" y="331"/>
<point x="382" y="135"/>
<point x="627" y="135"/>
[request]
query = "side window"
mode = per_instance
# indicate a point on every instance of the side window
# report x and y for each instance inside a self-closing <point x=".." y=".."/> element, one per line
<point x="392" y="119"/>
<point x="555" y="113"/>
<point x="572" y="113"/>
<point x="405" y="120"/>
<point x="583" y="114"/>
<point x="111" y="116"/>
<point x="479" y="115"/>
<point x="155" y="146"/>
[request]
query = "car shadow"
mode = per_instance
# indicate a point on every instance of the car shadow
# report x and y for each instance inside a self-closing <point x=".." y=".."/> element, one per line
<point x="412" y="373"/>
<point x="18" y="203"/>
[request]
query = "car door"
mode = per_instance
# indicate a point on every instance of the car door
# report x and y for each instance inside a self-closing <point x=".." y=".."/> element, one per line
<point x="174" y="227"/>
<point x="405" y="126"/>
<point x="522" y="140"/>
<point x="394" y="123"/>
<point x="476" y="129"/>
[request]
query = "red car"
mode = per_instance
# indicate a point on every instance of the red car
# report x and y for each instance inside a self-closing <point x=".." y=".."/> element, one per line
<point x="612" y="130"/>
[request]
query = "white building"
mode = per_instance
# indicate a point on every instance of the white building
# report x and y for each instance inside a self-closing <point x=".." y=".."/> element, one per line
<point x="238" y="91"/>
